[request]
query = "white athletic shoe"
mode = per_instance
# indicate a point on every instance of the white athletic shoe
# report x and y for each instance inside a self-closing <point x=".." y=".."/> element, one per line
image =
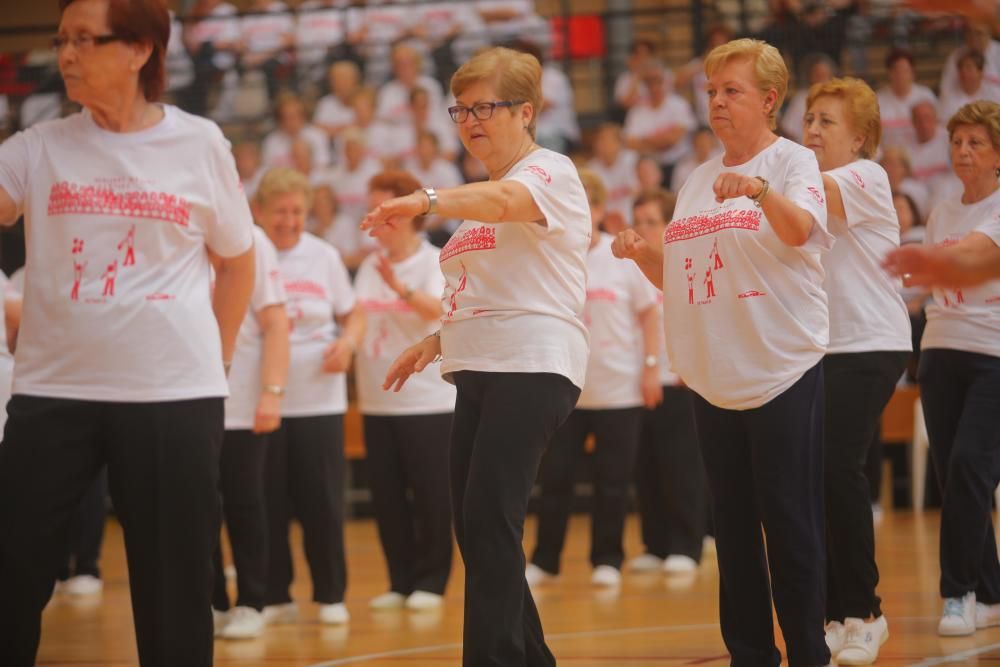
<point x="387" y="601"/>
<point x="605" y="575"/>
<point x="679" y="564"/>
<point x="244" y="623"/>
<point x="645" y="563"/>
<point x="219" y="620"/>
<point x="334" y="614"/>
<point x="862" y="641"/>
<point x="81" y="585"/>
<point x="987" y="615"/>
<point x="281" y="614"/>
<point x="959" y="616"/>
<point x="835" y="635"/>
<point x="424" y="601"/>
<point x="535" y="575"/>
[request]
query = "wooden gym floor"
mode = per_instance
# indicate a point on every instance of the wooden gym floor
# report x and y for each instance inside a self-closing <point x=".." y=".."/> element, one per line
<point x="651" y="620"/>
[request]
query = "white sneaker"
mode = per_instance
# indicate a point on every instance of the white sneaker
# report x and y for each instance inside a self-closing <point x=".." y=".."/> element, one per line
<point x="605" y="575"/>
<point x="83" y="584"/>
<point x="835" y="636"/>
<point x="244" y="623"/>
<point x="645" y="563"/>
<point x="334" y="614"/>
<point x="959" y="616"/>
<point x="281" y="614"/>
<point x="386" y="601"/>
<point x="535" y="575"/>
<point x="987" y="615"/>
<point x="679" y="564"/>
<point x="862" y="641"/>
<point x="219" y="620"/>
<point x="424" y="601"/>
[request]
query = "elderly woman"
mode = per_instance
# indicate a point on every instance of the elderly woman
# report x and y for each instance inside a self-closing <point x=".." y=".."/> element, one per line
<point x="868" y="351"/>
<point x="305" y="457"/>
<point x="898" y="97"/>
<point x="513" y="339"/>
<point x="406" y="433"/>
<point x="740" y="268"/>
<point x="960" y="378"/>
<point x="120" y="359"/>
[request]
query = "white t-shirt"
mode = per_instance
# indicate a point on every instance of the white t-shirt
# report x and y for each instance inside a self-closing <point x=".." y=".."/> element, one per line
<point x="318" y="290"/>
<point x="616" y="293"/>
<point x="515" y="291"/>
<point x="667" y="376"/>
<point x="746" y="314"/>
<point x="965" y="319"/>
<point x="620" y="181"/>
<point x="276" y="151"/>
<point x="991" y="70"/>
<point x="952" y="101"/>
<point x="644" y="120"/>
<point x="867" y="313"/>
<point x="624" y="83"/>
<point x="244" y="374"/>
<point x="393" y="326"/>
<point x="931" y="161"/>
<point x="318" y="28"/>
<point x="266" y="31"/>
<point x="897" y="121"/>
<point x="559" y="119"/>
<point x="222" y="25"/>
<point x="331" y="111"/>
<point x="117" y="305"/>
<point x="393" y="103"/>
<point x="350" y="187"/>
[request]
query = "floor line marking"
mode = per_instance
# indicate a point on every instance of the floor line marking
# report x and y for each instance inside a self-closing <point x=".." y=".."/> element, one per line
<point x="956" y="657"/>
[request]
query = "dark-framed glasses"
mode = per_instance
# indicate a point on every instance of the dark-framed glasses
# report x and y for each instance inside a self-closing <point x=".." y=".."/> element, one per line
<point x="82" y="43"/>
<point x="481" y="110"/>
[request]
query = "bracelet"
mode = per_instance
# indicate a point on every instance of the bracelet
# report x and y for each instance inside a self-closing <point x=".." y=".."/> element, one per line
<point x="432" y="201"/>
<point x="763" y="191"/>
<point x="275" y="389"/>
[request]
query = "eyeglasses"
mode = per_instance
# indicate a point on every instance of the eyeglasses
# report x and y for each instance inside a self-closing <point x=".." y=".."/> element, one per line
<point x="482" y="111"/>
<point x="82" y="43"/>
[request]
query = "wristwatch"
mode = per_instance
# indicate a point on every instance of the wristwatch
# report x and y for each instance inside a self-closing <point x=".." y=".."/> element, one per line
<point x="764" y="189"/>
<point x="275" y="389"/>
<point x="432" y="201"/>
<point x="651" y="361"/>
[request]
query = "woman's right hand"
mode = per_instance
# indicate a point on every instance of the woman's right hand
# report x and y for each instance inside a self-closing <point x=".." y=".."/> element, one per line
<point x="629" y="245"/>
<point x="413" y="360"/>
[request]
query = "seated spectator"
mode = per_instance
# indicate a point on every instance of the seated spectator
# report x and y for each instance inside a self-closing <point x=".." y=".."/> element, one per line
<point x="978" y="37"/>
<point x="433" y="170"/>
<point x="248" y="166"/>
<point x="704" y="147"/>
<point x="972" y="84"/>
<point x="393" y="102"/>
<point x="384" y="142"/>
<point x="425" y="119"/>
<point x="302" y="158"/>
<point x="649" y="173"/>
<point x="661" y="126"/>
<point x="212" y="37"/>
<point x="320" y="37"/>
<point x="629" y="89"/>
<point x="615" y="165"/>
<point x="290" y="114"/>
<point x="267" y="34"/>
<point x="691" y="77"/>
<point x="816" y="68"/>
<point x="896" y="162"/>
<point x="897" y="99"/>
<point x="377" y="27"/>
<point x="328" y="222"/>
<point x="334" y="111"/>
<point x="510" y="20"/>
<point x="929" y="154"/>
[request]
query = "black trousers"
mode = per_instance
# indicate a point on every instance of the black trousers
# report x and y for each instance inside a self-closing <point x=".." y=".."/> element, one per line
<point x="616" y="435"/>
<point x="858" y="387"/>
<point x="305" y="479"/>
<point x="960" y="392"/>
<point x="670" y="478"/>
<point x="765" y="468"/>
<point x="241" y="484"/>
<point x="503" y="424"/>
<point x="163" y="473"/>
<point x="407" y="462"/>
<point x="87" y="531"/>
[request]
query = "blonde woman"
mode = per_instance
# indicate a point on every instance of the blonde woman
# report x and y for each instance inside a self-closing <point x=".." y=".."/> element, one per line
<point x="868" y="351"/>
<point x="740" y="269"/>
<point x="513" y="339"/>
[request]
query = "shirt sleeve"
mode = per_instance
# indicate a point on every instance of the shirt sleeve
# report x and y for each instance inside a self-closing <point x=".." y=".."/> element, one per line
<point x="341" y="292"/>
<point x="803" y="186"/>
<point x="991" y="228"/>
<point x="269" y="289"/>
<point x="15" y="165"/>
<point x="555" y="186"/>
<point x="230" y="230"/>
<point x="864" y="189"/>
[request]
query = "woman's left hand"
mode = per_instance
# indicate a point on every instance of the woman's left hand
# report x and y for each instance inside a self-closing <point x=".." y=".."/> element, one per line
<point x="652" y="389"/>
<point x="337" y="356"/>
<point x="384" y="268"/>
<point x="394" y="212"/>
<point x="267" y="417"/>
<point x="730" y="185"/>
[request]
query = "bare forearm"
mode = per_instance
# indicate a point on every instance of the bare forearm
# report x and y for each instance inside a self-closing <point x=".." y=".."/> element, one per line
<point x="274" y="359"/>
<point x="492" y="201"/>
<point x="980" y="262"/>
<point x="427" y="306"/>
<point x="792" y="224"/>
<point x="353" y="328"/>
<point x="651" y="265"/>
<point x="649" y="324"/>
<point x="233" y="286"/>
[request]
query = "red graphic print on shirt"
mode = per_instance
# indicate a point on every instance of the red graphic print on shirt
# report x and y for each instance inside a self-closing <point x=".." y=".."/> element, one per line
<point x="462" y="282"/>
<point x="477" y="238"/>
<point x="109" y="275"/>
<point x="857" y="178"/>
<point x="688" y="264"/>
<point x="717" y="257"/>
<point x="383" y="335"/>
<point x="128" y="243"/>
<point x="817" y="195"/>
<point x="117" y="197"/>
<point x="78" y="267"/>
<point x="540" y="173"/>
<point x="703" y="225"/>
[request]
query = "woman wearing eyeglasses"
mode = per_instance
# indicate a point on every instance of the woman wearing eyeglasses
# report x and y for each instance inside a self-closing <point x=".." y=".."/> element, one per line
<point x="512" y="341"/>
<point x="120" y="356"/>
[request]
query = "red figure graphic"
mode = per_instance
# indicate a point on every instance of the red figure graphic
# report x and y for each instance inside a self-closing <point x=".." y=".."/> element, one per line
<point x="77" y="246"/>
<point x="690" y="276"/>
<point x="129" y="244"/>
<point x="709" y="284"/>
<point x="383" y="334"/>
<point x="462" y="282"/>
<point x="295" y="313"/>
<point x="715" y="256"/>
<point x="109" y="276"/>
<point x="78" y="268"/>
<point x="959" y="297"/>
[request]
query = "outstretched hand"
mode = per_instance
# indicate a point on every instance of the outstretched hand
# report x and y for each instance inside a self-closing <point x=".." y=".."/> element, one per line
<point x="629" y="245"/>
<point x="394" y="213"/>
<point x="413" y="360"/>
<point x="920" y="266"/>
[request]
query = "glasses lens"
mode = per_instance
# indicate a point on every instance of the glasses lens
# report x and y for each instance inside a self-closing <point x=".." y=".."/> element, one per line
<point x="458" y="114"/>
<point x="483" y="111"/>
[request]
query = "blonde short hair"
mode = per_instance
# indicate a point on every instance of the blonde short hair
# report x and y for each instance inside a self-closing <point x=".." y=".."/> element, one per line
<point x="982" y="113"/>
<point x="861" y="106"/>
<point x="280" y="181"/>
<point x="514" y="75"/>
<point x="593" y="185"/>
<point x="769" y="67"/>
